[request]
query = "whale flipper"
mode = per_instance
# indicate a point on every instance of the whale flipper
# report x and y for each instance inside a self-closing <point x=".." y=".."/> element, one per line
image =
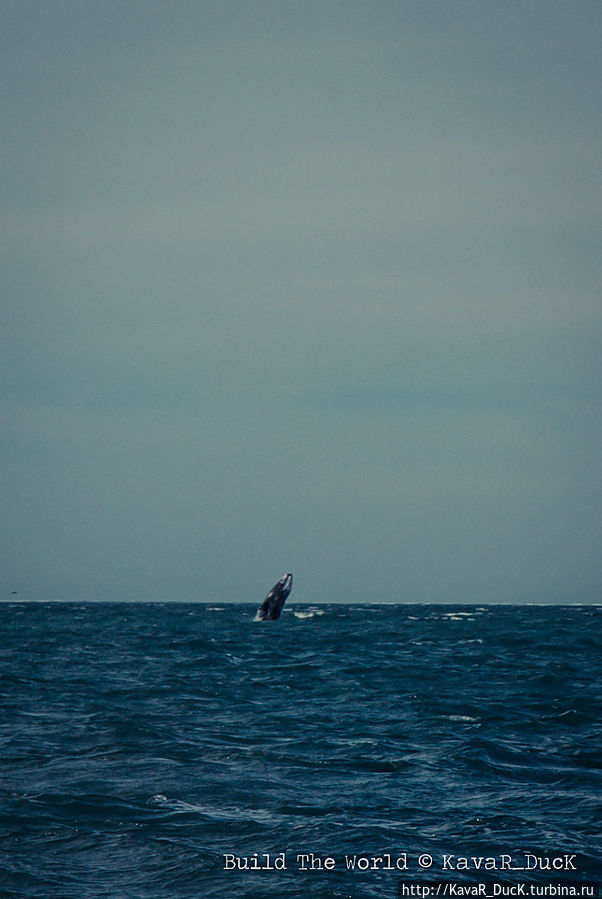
<point x="271" y="607"/>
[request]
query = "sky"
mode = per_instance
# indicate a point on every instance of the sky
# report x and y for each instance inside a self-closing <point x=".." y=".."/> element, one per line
<point x="301" y="286"/>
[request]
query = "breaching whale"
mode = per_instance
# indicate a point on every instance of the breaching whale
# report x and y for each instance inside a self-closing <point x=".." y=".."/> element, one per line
<point x="271" y="607"/>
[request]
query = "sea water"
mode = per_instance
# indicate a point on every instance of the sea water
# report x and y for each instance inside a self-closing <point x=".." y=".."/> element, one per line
<point x="178" y="751"/>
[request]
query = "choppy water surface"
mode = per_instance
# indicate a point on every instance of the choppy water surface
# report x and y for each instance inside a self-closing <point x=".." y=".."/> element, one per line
<point x="140" y="744"/>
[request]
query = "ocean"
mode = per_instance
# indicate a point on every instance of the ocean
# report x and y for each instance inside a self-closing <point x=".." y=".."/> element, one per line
<point x="179" y="751"/>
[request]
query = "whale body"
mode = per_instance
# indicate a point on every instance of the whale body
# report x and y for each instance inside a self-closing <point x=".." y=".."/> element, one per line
<point x="271" y="607"/>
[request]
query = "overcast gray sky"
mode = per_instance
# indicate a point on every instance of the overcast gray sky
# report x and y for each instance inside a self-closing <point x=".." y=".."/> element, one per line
<point x="301" y="286"/>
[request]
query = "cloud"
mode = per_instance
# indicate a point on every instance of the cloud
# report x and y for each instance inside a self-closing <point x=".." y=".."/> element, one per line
<point x="299" y="290"/>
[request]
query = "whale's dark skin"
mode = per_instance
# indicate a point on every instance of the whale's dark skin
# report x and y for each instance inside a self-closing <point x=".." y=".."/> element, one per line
<point x="271" y="607"/>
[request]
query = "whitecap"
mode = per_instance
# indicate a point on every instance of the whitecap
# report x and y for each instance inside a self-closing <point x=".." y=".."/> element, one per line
<point x="307" y="613"/>
<point x="467" y="719"/>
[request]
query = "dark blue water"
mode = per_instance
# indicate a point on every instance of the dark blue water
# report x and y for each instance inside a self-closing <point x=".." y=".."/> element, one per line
<point x="141" y="744"/>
